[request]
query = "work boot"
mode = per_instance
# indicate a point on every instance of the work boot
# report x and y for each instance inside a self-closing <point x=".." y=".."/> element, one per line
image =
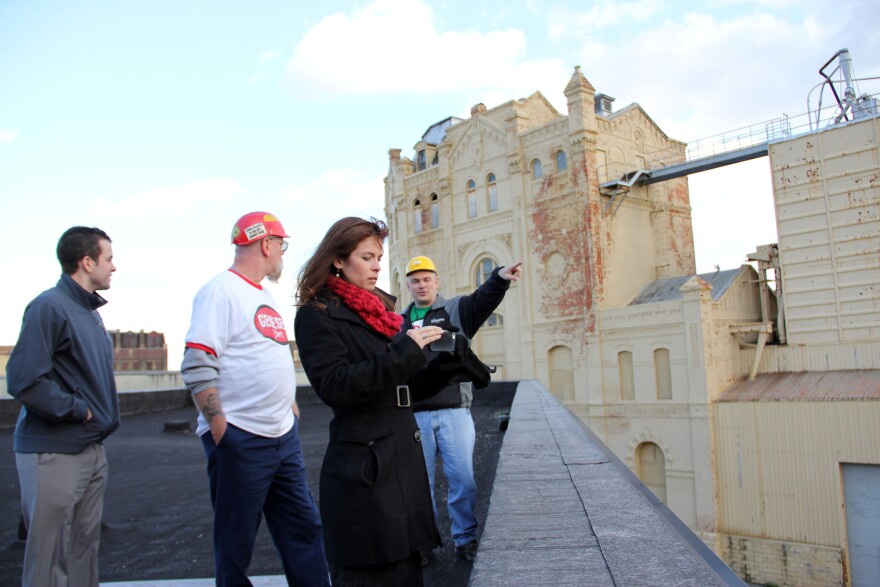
<point x="467" y="551"/>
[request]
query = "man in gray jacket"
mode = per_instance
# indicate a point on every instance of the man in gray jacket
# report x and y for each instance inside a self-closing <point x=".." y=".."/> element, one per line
<point x="61" y="370"/>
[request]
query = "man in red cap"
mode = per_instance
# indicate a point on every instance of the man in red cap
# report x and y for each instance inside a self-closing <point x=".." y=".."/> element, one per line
<point x="238" y="366"/>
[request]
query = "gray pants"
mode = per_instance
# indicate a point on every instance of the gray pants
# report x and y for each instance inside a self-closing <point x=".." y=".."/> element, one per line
<point x="62" y="499"/>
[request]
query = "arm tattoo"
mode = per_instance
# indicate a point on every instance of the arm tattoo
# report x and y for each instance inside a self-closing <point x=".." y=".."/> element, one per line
<point x="212" y="407"/>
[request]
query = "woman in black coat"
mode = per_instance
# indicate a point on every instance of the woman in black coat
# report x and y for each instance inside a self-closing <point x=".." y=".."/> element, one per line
<point x="374" y="495"/>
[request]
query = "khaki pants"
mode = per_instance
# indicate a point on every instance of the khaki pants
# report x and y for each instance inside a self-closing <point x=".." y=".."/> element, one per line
<point x="62" y="499"/>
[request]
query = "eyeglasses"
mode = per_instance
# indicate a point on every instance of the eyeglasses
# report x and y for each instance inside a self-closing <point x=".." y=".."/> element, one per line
<point x="282" y="242"/>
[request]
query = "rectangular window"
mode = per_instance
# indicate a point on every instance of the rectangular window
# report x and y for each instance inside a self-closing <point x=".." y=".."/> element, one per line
<point x="663" y="374"/>
<point x="625" y="372"/>
<point x="417" y="213"/>
<point x="472" y="205"/>
<point x="435" y="215"/>
<point x="493" y="198"/>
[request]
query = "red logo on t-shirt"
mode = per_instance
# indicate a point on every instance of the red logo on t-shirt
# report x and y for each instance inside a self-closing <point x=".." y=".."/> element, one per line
<point x="270" y="324"/>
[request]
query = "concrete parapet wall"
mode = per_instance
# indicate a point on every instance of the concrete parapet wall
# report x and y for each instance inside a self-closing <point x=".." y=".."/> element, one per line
<point x="786" y="564"/>
<point x="141" y="401"/>
<point x="565" y="511"/>
<point x="130" y="402"/>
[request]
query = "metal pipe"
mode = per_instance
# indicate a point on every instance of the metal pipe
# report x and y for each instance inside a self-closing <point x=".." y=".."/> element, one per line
<point x="846" y="67"/>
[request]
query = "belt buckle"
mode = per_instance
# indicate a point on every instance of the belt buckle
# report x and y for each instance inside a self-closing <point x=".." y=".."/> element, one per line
<point x="403" y="401"/>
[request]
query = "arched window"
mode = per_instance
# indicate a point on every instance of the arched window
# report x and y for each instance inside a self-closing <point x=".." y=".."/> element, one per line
<point x="495" y="320"/>
<point x="651" y="468"/>
<point x="472" y="198"/>
<point x="396" y="289"/>
<point x="491" y="193"/>
<point x="435" y="211"/>
<point x="417" y="215"/>
<point x="561" y="363"/>
<point x="625" y="373"/>
<point x="663" y="374"/>
<point x="537" y="169"/>
<point x="561" y="161"/>
<point x="483" y="271"/>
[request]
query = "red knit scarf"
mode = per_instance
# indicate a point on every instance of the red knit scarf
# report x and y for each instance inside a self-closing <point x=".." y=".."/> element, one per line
<point x="368" y="306"/>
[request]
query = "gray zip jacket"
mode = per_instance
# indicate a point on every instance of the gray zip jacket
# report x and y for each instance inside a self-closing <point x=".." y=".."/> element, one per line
<point x="467" y="313"/>
<point x="61" y="367"/>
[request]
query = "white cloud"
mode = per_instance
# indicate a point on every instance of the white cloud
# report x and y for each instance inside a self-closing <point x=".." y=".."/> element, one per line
<point x="393" y="47"/>
<point x="7" y="135"/>
<point x="699" y="74"/>
<point x="314" y="206"/>
<point x="174" y="201"/>
<point x="565" y="21"/>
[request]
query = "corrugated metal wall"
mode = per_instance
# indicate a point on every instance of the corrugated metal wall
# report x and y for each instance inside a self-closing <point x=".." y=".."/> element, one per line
<point x="778" y="465"/>
<point x="827" y="190"/>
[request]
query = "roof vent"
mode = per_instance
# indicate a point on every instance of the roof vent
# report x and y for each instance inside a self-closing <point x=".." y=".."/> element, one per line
<point x="602" y="104"/>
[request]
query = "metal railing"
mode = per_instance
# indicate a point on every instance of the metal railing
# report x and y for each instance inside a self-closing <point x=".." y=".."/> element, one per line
<point x="746" y="137"/>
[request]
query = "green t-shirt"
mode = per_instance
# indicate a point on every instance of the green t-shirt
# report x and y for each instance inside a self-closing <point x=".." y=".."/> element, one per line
<point x="417" y="315"/>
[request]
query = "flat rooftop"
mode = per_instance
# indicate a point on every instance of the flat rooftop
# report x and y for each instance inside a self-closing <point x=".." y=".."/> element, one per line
<point x="556" y="506"/>
<point x="157" y="512"/>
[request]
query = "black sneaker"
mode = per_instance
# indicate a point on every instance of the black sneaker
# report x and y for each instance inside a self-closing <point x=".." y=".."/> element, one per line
<point x="467" y="551"/>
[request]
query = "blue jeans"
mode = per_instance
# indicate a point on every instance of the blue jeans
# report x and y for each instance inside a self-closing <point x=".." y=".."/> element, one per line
<point x="253" y="476"/>
<point x="450" y="433"/>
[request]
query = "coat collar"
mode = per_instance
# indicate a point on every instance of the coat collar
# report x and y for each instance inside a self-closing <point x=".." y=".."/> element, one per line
<point x="89" y="301"/>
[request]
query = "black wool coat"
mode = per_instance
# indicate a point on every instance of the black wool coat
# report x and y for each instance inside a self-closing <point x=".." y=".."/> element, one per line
<point x="374" y="494"/>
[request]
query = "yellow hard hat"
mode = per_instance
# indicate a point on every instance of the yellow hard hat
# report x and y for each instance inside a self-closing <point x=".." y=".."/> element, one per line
<point x="420" y="264"/>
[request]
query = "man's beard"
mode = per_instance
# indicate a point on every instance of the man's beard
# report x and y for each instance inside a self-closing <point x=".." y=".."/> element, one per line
<point x="276" y="275"/>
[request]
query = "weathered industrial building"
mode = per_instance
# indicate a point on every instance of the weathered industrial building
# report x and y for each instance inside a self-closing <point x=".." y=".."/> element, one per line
<point x="750" y="409"/>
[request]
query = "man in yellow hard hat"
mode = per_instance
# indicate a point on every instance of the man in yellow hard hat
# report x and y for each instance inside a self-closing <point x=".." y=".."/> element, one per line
<point x="445" y="420"/>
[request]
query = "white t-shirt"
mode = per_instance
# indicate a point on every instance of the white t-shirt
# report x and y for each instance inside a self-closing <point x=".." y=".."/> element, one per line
<point x="237" y="321"/>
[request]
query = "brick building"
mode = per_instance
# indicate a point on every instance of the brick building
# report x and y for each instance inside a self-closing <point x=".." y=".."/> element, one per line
<point x="139" y="351"/>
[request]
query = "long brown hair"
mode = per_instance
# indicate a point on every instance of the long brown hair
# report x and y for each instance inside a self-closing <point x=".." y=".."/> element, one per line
<point x="340" y="241"/>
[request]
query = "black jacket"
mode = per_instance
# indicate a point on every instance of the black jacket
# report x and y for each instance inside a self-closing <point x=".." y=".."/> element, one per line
<point x="467" y="313"/>
<point x="61" y="367"/>
<point x="374" y="494"/>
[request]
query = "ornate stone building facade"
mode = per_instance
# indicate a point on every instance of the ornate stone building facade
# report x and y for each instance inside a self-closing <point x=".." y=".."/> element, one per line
<point x="521" y="181"/>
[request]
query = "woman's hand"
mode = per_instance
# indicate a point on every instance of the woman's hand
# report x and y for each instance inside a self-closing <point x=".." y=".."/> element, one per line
<point x="425" y="336"/>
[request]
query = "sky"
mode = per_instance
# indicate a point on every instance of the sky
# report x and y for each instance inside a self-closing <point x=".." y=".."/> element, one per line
<point x="162" y="122"/>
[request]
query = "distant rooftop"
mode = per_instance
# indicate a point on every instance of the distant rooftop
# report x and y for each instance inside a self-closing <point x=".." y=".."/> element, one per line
<point x="806" y="386"/>
<point x="437" y="131"/>
<point x="664" y="290"/>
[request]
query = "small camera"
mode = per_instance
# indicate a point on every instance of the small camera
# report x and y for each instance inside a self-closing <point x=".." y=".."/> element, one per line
<point x="446" y="344"/>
